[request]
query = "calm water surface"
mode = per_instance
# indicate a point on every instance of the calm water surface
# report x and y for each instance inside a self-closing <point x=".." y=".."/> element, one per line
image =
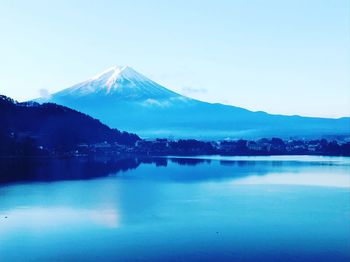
<point x="179" y="209"/>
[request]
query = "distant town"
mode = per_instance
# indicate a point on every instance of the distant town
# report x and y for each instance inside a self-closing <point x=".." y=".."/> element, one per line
<point x="192" y="147"/>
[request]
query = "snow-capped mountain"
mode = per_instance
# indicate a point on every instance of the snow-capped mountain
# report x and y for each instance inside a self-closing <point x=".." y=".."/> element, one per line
<point x="125" y="99"/>
<point x="119" y="82"/>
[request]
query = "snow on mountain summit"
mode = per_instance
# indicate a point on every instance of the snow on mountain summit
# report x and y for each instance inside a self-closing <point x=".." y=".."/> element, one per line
<point x="115" y="73"/>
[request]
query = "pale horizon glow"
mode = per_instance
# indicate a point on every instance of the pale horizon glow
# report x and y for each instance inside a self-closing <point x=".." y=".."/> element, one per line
<point x="283" y="57"/>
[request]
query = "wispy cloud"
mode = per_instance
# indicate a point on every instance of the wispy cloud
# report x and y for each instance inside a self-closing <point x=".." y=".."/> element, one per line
<point x="193" y="90"/>
<point x="44" y="93"/>
<point x="153" y="102"/>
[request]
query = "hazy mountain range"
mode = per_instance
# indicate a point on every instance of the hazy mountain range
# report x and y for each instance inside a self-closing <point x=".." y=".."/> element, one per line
<point x="125" y="99"/>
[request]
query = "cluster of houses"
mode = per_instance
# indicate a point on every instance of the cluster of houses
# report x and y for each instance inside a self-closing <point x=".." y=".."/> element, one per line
<point x="276" y="145"/>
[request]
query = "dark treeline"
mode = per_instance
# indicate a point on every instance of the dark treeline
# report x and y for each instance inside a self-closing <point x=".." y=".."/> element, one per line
<point x="274" y="146"/>
<point x="34" y="129"/>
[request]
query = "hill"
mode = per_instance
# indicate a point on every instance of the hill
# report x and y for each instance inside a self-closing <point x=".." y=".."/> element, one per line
<point x="26" y="126"/>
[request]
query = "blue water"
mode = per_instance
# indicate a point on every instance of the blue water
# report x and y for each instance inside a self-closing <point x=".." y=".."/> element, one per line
<point x="204" y="209"/>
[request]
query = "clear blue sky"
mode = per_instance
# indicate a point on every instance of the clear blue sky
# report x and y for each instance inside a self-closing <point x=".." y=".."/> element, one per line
<point x="288" y="57"/>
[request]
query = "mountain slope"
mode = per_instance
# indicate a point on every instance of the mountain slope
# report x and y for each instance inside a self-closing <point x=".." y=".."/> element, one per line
<point x="53" y="126"/>
<point x="122" y="97"/>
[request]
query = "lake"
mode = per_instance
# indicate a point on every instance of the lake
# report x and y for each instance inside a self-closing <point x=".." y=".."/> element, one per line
<point x="208" y="208"/>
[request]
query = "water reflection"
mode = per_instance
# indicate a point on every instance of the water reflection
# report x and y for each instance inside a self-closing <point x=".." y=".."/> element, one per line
<point x="26" y="169"/>
<point x="193" y="169"/>
<point x="38" y="218"/>
<point x="172" y="209"/>
<point x="189" y="161"/>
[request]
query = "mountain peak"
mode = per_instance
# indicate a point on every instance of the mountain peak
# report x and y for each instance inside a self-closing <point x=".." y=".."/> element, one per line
<point x="116" y="69"/>
<point x="111" y="75"/>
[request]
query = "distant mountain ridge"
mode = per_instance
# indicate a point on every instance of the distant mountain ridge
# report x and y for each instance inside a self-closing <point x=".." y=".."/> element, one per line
<point x="121" y="97"/>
